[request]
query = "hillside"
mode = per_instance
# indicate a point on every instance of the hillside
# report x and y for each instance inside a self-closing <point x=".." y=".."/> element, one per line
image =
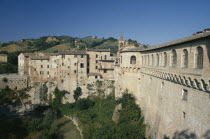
<point x="58" y="43"/>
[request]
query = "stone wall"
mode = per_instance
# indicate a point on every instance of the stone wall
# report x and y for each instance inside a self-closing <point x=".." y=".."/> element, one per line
<point x="172" y="98"/>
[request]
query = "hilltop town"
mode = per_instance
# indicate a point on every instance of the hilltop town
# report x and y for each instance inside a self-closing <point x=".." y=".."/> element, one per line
<point x="171" y="81"/>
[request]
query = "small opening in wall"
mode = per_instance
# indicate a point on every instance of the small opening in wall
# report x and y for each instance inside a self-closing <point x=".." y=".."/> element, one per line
<point x="184" y="115"/>
<point x="162" y="84"/>
<point x="184" y="94"/>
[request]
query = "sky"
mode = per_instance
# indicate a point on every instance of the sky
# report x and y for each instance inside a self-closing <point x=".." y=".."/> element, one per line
<point x="147" y="21"/>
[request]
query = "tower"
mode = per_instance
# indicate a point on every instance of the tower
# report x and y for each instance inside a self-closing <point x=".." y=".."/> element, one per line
<point x="121" y="43"/>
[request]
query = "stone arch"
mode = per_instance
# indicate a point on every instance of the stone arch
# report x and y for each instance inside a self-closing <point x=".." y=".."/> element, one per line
<point x="173" y="59"/>
<point x="133" y="59"/>
<point x="203" y="85"/>
<point x="157" y="59"/>
<point x="198" y="57"/>
<point x="164" y="59"/>
<point x="184" y="58"/>
<point x="152" y="62"/>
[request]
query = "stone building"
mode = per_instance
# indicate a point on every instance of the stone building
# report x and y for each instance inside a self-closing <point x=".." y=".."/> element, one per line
<point x="171" y="83"/>
<point x="3" y="58"/>
<point x="68" y="68"/>
<point x="13" y="81"/>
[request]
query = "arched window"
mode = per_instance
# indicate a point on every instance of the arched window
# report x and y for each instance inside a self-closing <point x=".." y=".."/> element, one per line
<point x="164" y="59"/>
<point x="142" y="61"/>
<point x="145" y="60"/>
<point x="185" y="58"/>
<point x="160" y="61"/>
<point x="199" y="57"/>
<point x="133" y="60"/>
<point x="148" y="60"/>
<point x="152" y="63"/>
<point x="157" y="59"/>
<point x="173" y="58"/>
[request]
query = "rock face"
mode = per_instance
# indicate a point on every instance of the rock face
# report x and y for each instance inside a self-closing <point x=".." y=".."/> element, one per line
<point x="116" y="114"/>
<point x="101" y="88"/>
<point x="50" y="39"/>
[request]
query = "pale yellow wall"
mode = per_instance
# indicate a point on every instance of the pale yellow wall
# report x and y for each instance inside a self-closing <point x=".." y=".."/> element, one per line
<point x="3" y="58"/>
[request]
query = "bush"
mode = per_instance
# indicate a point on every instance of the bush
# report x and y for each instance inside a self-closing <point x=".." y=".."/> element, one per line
<point x="84" y="104"/>
<point x="77" y="93"/>
<point x="5" y="80"/>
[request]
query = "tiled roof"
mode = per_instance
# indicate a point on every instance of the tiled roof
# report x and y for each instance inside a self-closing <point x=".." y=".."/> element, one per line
<point x="3" y="54"/>
<point x="179" y="41"/>
<point x="82" y="52"/>
<point x="171" y="43"/>
<point x="40" y="58"/>
<point x="29" y="54"/>
<point x="99" y="50"/>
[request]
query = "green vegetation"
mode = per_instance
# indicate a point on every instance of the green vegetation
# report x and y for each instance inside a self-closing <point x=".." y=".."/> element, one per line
<point x="95" y="117"/>
<point x="10" y="97"/>
<point x="77" y="93"/>
<point x="59" y="43"/>
<point x="42" y="126"/>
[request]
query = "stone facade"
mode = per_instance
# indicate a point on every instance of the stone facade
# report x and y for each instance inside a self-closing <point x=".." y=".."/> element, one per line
<point x="13" y="81"/>
<point x="3" y="58"/>
<point x="68" y="68"/>
<point x="171" y="83"/>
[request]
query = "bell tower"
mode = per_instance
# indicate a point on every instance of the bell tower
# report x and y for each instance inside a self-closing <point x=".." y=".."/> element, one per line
<point x="121" y="42"/>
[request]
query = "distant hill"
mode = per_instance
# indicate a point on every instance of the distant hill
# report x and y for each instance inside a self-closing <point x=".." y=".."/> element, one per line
<point x="58" y="43"/>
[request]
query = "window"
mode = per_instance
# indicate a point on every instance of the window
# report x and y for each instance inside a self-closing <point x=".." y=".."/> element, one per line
<point x="96" y="61"/>
<point x="81" y="65"/>
<point x="184" y="94"/>
<point x="82" y="56"/>
<point x="164" y="59"/>
<point x="63" y="56"/>
<point x="184" y="58"/>
<point x="105" y="71"/>
<point x="152" y="60"/>
<point x="157" y="59"/>
<point x="96" y="77"/>
<point x="34" y="69"/>
<point x="199" y="58"/>
<point x="48" y="66"/>
<point x="62" y="64"/>
<point x="75" y="64"/>
<point x="173" y="58"/>
<point x="105" y="57"/>
<point x="96" y="56"/>
<point x="96" y="67"/>
<point x="142" y="61"/>
<point x="75" y="71"/>
<point x="160" y="60"/>
<point x="48" y="72"/>
<point x="133" y="60"/>
<point x="41" y="66"/>
<point x="184" y="114"/>
<point x="162" y="84"/>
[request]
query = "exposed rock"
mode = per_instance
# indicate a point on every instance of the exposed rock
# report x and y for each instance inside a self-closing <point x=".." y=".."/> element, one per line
<point x="51" y="38"/>
<point x="116" y="114"/>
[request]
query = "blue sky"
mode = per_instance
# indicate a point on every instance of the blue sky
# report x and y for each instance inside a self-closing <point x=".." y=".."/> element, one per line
<point x="147" y="21"/>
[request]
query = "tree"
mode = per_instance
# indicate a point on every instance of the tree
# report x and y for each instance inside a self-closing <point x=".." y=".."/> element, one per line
<point x="5" y="80"/>
<point x="77" y="93"/>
